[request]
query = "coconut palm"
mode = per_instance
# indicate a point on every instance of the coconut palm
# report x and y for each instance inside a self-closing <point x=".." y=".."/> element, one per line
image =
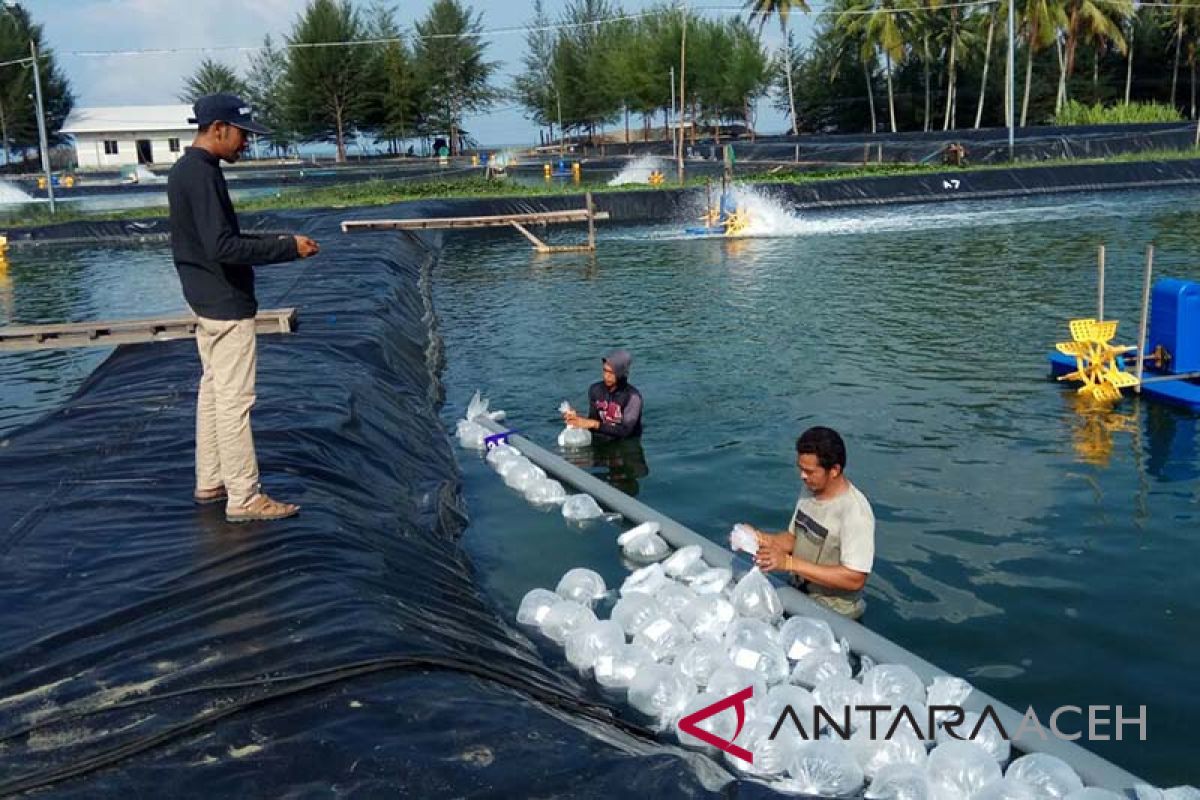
<point x="761" y="10"/>
<point x="879" y="24"/>
<point x="1095" y="20"/>
<point x="1041" y="21"/>
<point x="997" y="11"/>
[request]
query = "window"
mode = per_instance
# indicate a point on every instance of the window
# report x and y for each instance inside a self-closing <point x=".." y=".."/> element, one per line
<point x="110" y="147"/>
<point x="173" y="145"/>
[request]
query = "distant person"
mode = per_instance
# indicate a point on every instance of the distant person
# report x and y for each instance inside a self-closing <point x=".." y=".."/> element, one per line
<point x="614" y="404"/>
<point x="829" y="546"/>
<point x="215" y="261"/>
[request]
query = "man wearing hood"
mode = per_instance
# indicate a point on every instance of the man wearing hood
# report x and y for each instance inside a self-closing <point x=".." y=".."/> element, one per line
<point x="614" y="404"/>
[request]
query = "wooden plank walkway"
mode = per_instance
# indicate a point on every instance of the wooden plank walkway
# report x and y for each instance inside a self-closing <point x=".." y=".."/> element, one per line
<point x="110" y="333"/>
<point x="587" y="214"/>
<point x="498" y="221"/>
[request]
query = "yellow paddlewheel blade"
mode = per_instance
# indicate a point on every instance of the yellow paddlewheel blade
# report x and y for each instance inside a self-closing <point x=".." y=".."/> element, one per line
<point x="737" y="222"/>
<point x="1082" y="329"/>
<point x="1072" y="348"/>
<point x="1105" y="392"/>
<point x="1119" y="379"/>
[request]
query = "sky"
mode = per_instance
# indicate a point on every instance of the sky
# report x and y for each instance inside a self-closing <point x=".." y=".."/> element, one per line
<point x="75" y="27"/>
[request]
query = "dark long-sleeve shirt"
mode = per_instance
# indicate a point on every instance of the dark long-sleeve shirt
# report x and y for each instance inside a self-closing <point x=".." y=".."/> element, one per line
<point x="619" y="411"/>
<point x="215" y="260"/>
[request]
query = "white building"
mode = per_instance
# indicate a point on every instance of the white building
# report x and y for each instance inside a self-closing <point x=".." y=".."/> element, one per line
<point x="116" y="136"/>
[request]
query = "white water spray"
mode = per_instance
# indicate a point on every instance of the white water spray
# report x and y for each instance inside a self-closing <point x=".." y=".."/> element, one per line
<point x="638" y="170"/>
<point x="11" y="195"/>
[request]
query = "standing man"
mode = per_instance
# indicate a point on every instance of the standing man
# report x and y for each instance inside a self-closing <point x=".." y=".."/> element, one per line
<point x="215" y="261"/>
<point x="829" y="546"/>
<point x="614" y="404"/>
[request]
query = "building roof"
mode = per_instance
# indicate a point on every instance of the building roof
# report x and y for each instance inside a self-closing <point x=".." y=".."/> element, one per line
<point x="129" y="119"/>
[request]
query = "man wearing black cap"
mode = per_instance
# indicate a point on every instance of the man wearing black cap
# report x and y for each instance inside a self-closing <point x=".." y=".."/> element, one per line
<point x="216" y="261"/>
<point x="614" y="404"/>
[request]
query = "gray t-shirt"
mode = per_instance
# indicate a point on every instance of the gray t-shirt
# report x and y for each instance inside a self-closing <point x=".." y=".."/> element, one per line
<point x="840" y="530"/>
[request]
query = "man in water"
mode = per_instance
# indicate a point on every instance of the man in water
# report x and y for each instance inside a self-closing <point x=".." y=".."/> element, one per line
<point x="829" y="546"/>
<point x="614" y="404"/>
<point x="215" y="261"/>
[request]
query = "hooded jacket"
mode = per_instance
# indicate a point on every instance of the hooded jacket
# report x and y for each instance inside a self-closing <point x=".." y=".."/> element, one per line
<point x="619" y="411"/>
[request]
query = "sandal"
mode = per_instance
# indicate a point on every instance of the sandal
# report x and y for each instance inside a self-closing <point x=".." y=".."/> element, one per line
<point x="261" y="508"/>
<point x="206" y="497"/>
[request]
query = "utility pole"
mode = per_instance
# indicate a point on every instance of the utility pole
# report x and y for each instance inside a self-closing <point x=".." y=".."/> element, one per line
<point x="41" y="119"/>
<point x="673" y="145"/>
<point x="1012" y="80"/>
<point x="562" y="139"/>
<point x="682" y="94"/>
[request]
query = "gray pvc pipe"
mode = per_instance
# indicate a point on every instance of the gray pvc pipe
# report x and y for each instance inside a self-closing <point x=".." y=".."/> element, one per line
<point x="1094" y="770"/>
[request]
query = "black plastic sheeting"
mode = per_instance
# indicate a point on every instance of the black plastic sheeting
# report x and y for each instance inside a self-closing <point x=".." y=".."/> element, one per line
<point x="983" y="146"/>
<point x="150" y="649"/>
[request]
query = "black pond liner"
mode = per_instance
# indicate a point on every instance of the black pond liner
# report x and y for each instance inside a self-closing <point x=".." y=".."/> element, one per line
<point x="150" y="649"/>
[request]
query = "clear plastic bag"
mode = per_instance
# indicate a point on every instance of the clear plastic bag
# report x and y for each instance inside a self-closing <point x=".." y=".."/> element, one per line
<point x="478" y="407"/>
<point x="675" y="597"/>
<point x="661" y="692"/>
<point x="900" y="782"/>
<point x="960" y="769"/>
<point x="825" y="768"/>
<point x="616" y="670"/>
<point x="647" y="580"/>
<point x="1094" y="793"/>
<point x="584" y="586"/>
<point x="727" y="680"/>
<point x="700" y="660"/>
<point x="780" y="698"/>
<point x="945" y="690"/>
<point x="771" y="756"/>
<point x="535" y="605"/>
<point x="759" y="653"/>
<point x="892" y="685"/>
<point x="755" y="597"/>
<point x="838" y="696"/>
<point x="1143" y="791"/>
<point x="470" y="434"/>
<point x="743" y="539"/>
<point x="1049" y="775"/>
<point x="684" y="562"/>
<point x="564" y="618"/>
<point x="522" y="475"/>
<point x="723" y="724"/>
<point x="664" y="638"/>
<point x="744" y="630"/>
<point x="581" y="507"/>
<point x="875" y="753"/>
<point x="1006" y="789"/>
<point x="589" y="642"/>
<point x="512" y="463"/>
<point x="501" y="453"/>
<point x="642" y="544"/>
<point x="711" y="581"/>
<point x="708" y="616"/>
<point x="574" y="438"/>
<point x="800" y="636"/>
<point x="636" y="610"/>
<point x="818" y="666"/>
<point x="545" y="492"/>
<point x="988" y="735"/>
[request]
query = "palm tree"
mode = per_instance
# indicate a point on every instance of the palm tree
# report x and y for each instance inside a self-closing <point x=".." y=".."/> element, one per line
<point x="1098" y="20"/>
<point x="762" y="10"/>
<point x="1042" y="20"/>
<point x="958" y="38"/>
<point x="996" y="11"/>
<point x="850" y="46"/>
<point x="877" y="22"/>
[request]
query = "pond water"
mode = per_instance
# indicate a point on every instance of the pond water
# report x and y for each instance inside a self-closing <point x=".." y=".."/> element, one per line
<point x="1034" y="546"/>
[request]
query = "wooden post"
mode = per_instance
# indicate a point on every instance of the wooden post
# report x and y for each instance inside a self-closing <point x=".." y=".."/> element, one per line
<point x="591" y="220"/>
<point x="880" y="158"/>
<point x="1141" y="346"/>
<point x="1100" y="285"/>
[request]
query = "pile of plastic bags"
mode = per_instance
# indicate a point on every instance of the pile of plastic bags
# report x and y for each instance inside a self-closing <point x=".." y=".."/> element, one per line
<point x="681" y="635"/>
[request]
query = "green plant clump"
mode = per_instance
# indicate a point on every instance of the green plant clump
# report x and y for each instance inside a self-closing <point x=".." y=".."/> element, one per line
<point x="1076" y="113"/>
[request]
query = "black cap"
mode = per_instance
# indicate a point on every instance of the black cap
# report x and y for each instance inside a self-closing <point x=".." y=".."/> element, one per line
<point x="225" y="108"/>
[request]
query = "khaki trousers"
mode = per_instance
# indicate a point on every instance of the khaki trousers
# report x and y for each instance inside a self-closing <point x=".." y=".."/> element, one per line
<point x="224" y="442"/>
